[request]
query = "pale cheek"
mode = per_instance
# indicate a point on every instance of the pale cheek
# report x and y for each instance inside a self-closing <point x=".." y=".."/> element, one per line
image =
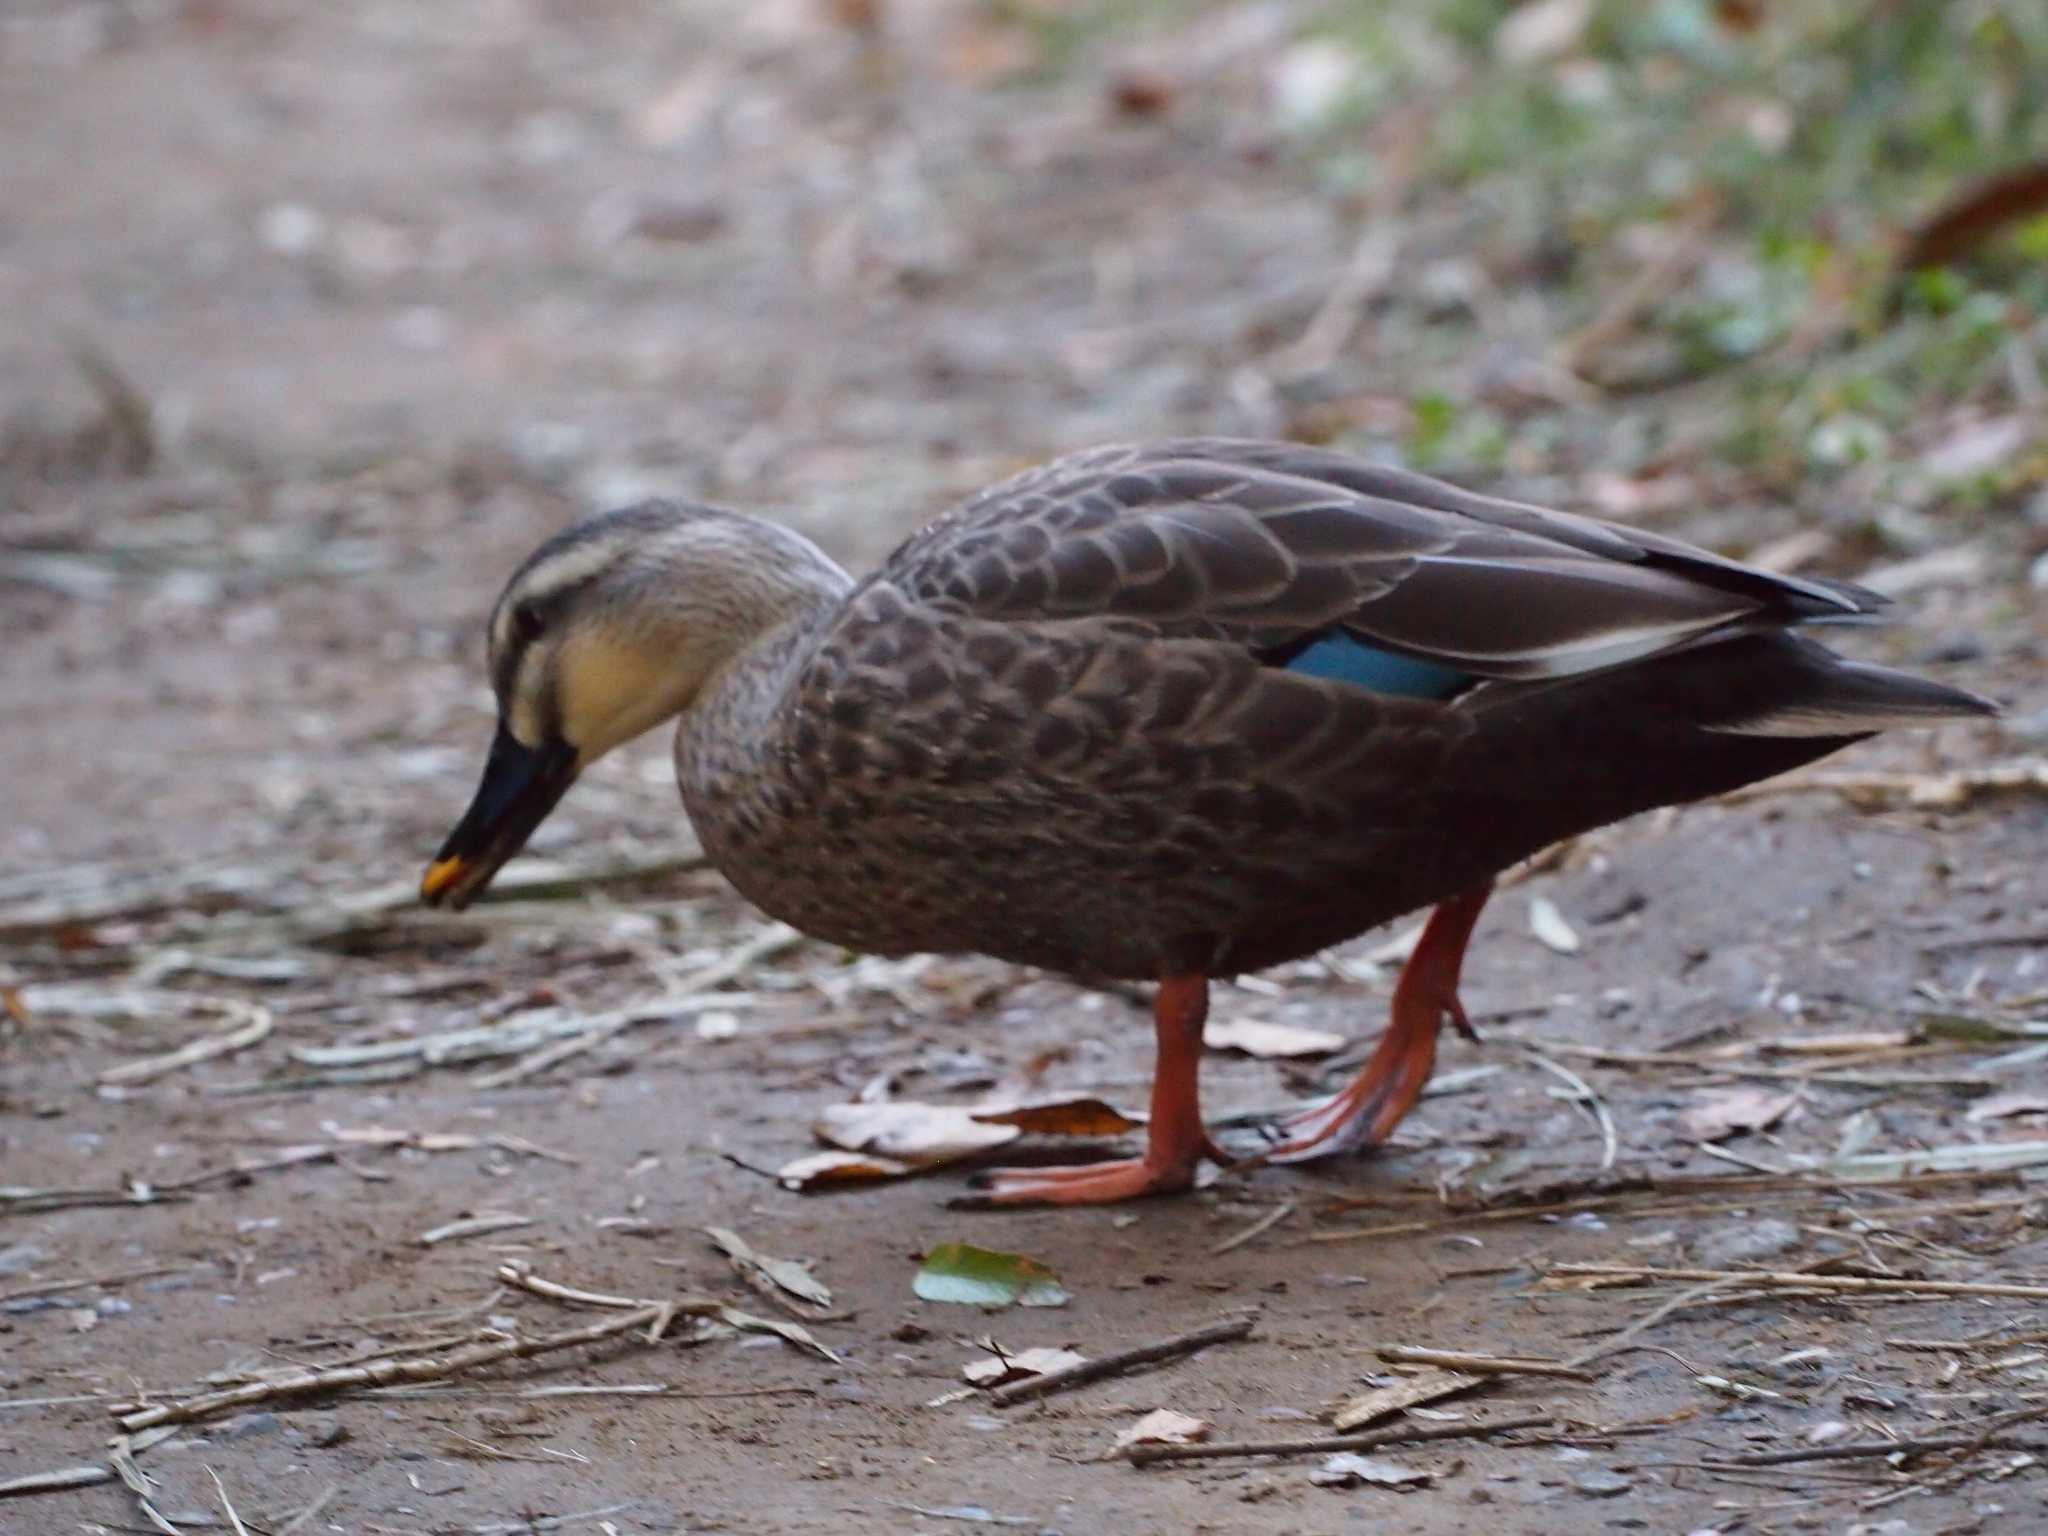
<point x="611" y="693"/>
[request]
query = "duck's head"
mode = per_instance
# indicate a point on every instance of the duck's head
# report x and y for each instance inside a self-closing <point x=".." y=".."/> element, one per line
<point x="609" y="628"/>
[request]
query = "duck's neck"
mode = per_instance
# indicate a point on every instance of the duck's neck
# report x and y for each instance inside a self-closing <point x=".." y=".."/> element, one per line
<point x="726" y="748"/>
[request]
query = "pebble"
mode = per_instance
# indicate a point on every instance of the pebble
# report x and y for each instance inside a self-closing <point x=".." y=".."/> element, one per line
<point x="247" y="1426"/>
<point x="1601" y="1484"/>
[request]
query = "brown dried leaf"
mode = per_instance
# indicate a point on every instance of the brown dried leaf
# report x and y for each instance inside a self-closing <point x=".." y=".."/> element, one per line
<point x="1163" y="1426"/>
<point x="1425" y="1387"/>
<point x="1063" y="1117"/>
<point x="823" y="1170"/>
<point x="1000" y="1369"/>
<point x="1729" y="1112"/>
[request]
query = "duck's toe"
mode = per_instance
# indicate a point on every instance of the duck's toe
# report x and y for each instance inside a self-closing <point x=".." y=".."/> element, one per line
<point x="1089" y="1184"/>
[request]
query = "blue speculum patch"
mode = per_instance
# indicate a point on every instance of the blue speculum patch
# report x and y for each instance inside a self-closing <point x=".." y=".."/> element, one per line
<point x="1346" y="659"/>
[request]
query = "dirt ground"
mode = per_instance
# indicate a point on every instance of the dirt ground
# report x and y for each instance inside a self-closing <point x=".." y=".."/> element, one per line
<point x="376" y="296"/>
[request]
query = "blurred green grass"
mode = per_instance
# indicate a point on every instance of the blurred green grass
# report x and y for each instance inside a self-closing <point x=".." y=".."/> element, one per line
<point x="1775" y="153"/>
<point x="1820" y="131"/>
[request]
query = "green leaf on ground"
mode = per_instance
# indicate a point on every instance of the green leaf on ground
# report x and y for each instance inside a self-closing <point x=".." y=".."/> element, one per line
<point x="983" y="1277"/>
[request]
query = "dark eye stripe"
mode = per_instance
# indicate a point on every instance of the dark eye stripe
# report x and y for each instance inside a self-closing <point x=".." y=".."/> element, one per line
<point x="529" y="618"/>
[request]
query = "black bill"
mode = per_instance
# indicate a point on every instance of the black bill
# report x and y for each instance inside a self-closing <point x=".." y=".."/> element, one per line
<point x="520" y="786"/>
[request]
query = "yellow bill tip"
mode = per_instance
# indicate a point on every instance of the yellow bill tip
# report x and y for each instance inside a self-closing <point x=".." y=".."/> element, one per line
<point x="440" y="875"/>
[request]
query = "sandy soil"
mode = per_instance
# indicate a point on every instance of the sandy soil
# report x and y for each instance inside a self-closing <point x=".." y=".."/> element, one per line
<point x="405" y="287"/>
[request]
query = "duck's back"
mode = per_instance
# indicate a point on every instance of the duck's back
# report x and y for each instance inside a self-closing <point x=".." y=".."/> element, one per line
<point x="1216" y="705"/>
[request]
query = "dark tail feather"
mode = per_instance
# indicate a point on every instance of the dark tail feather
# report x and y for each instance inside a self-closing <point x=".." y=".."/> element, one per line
<point x="1836" y="697"/>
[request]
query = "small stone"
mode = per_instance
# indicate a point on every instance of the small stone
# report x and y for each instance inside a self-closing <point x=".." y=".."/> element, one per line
<point x="844" y="1392"/>
<point x="1746" y="1243"/>
<point x="20" y="1258"/>
<point x="247" y="1426"/>
<point x="1601" y="1484"/>
<point x="325" y="1432"/>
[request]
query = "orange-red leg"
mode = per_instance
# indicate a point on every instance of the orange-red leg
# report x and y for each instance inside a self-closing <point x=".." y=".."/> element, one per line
<point x="1367" y="1111"/>
<point x="1174" y="1138"/>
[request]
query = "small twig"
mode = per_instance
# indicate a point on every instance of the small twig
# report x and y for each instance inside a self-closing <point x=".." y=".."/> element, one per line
<point x="1769" y="1277"/>
<point x="1264" y="1224"/>
<point x="381" y="1373"/>
<point x="677" y="1306"/>
<point x="1992" y="1434"/>
<point x="473" y="1226"/>
<point x="1147" y="1455"/>
<point x="306" y="1515"/>
<point x="54" y="1482"/>
<point x="1642" y="1325"/>
<point x="1610" y="1141"/>
<point x="80" y="1282"/>
<point x="205" y="1048"/>
<point x="1124" y="1360"/>
<point x="1485" y="1365"/>
<point x="696" y="988"/>
<point x="554" y="1290"/>
<point x="227" y="1504"/>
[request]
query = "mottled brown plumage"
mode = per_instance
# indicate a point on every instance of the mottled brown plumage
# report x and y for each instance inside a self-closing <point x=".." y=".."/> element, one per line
<point x="1071" y="723"/>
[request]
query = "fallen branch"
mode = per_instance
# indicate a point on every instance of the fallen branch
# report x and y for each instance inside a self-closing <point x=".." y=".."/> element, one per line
<point x="1484" y="1365"/>
<point x="1123" y="1360"/>
<point x="382" y="1373"/>
<point x="518" y="1274"/>
<point x="1848" y="1284"/>
<point x="1989" y="1436"/>
<point x="1147" y="1455"/>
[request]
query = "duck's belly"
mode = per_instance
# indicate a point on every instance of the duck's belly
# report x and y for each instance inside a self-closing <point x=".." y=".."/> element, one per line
<point x="1067" y="898"/>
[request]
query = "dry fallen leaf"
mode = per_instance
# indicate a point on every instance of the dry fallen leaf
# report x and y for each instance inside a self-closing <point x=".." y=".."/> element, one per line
<point x="1162" y="1426"/>
<point x="1347" y="1469"/>
<point x="784" y="1274"/>
<point x="1063" y="1117"/>
<point x="1729" y="1112"/>
<point x="919" y="1134"/>
<point x="1001" y="1369"/>
<point x="1424" y="1387"/>
<point x="791" y="1333"/>
<point x="1269" y="1040"/>
<point x="823" y="1170"/>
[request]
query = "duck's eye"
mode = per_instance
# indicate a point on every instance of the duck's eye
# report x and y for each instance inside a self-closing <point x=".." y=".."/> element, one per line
<point x="526" y="624"/>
